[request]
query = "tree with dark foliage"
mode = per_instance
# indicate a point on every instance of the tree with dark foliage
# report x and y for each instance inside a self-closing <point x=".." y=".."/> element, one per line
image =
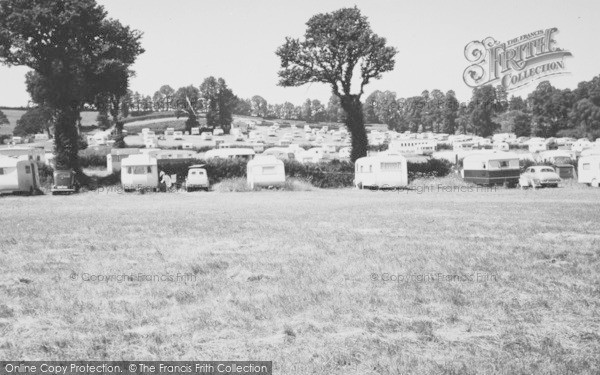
<point x="74" y="50"/>
<point x="219" y="103"/>
<point x="335" y="45"/>
<point x="187" y="101"/>
<point x="35" y="120"/>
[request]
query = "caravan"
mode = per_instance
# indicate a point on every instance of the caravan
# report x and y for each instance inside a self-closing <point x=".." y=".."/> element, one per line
<point x="116" y="156"/>
<point x="381" y="171"/>
<point x="588" y="170"/>
<point x="139" y="172"/>
<point x="18" y="176"/>
<point x="491" y="168"/>
<point x="265" y="170"/>
<point x="230" y="153"/>
<point x="413" y="146"/>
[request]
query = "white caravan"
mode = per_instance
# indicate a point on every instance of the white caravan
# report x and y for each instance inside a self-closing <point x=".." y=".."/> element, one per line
<point x="265" y="170"/>
<point x="18" y="176"/>
<point x="381" y="171"/>
<point x="589" y="170"/>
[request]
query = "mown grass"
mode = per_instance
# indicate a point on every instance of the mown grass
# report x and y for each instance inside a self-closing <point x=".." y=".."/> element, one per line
<point x="87" y="117"/>
<point x="300" y="278"/>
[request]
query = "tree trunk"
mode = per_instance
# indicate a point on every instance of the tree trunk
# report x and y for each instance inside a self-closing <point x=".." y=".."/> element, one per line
<point x="66" y="141"/>
<point x="355" y="123"/>
<point x="115" y="112"/>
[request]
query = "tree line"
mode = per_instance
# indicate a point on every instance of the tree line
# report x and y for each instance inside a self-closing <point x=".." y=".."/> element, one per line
<point x="546" y="112"/>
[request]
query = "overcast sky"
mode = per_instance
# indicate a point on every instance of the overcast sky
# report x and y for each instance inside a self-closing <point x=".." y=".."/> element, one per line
<point x="188" y="40"/>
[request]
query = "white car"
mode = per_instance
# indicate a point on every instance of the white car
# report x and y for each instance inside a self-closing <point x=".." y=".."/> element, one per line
<point x="539" y="176"/>
<point x="197" y="178"/>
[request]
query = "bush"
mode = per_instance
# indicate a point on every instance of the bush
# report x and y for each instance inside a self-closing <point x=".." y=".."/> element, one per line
<point x="378" y="148"/>
<point x="432" y="168"/>
<point x="46" y="174"/>
<point x="331" y="174"/>
<point x="141" y="113"/>
<point x="93" y="157"/>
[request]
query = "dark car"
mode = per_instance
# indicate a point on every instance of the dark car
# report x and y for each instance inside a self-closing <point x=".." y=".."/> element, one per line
<point x="64" y="182"/>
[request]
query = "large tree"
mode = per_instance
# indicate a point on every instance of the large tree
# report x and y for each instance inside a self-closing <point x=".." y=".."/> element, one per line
<point x="70" y="45"/>
<point x="187" y="101"/>
<point x="450" y="113"/>
<point x="35" y="120"/>
<point x="387" y="110"/>
<point x="219" y="102"/>
<point x="259" y="106"/>
<point x="483" y="107"/>
<point x="337" y="47"/>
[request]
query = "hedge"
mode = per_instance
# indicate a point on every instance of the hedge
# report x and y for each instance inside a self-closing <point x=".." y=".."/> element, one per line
<point x="327" y="174"/>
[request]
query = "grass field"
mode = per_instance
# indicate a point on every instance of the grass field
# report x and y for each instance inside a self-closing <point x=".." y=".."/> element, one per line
<point x="491" y="282"/>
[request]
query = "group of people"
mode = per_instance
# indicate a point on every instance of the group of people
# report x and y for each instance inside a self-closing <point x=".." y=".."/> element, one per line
<point x="166" y="183"/>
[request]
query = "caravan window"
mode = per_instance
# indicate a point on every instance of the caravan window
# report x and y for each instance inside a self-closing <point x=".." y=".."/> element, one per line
<point x="391" y="166"/>
<point x="586" y="166"/>
<point x="268" y="170"/>
<point x="27" y="169"/>
<point x="139" y="170"/>
<point x="371" y="168"/>
<point x="1" y="171"/>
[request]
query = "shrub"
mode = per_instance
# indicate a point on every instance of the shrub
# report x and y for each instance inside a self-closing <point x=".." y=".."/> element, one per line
<point x="93" y="157"/>
<point x="331" y="174"/>
<point x="46" y="174"/>
<point x="432" y="168"/>
<point x="140" y="113"/>
<point x="378" y="148"/>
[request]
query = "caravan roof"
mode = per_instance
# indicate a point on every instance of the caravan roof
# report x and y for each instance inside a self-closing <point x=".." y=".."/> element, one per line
<point x="229" y="152"/>
<point x="8" y="161"/>
<point x="138" y="159"/>
<point x="487" y="156"/>
<point x="265" y="160"/>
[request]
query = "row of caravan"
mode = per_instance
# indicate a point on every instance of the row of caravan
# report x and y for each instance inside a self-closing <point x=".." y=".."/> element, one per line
<point x="141" y="172"/>
<point x="388" y="170"/>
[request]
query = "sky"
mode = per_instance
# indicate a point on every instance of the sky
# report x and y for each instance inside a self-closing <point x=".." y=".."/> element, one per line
<point x="189" y="40"/>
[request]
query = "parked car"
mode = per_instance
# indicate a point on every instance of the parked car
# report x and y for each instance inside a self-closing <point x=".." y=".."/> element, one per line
<point x="197" y="178"/>
<point x="539" y="176"/>
<point x="64" y="182"/>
